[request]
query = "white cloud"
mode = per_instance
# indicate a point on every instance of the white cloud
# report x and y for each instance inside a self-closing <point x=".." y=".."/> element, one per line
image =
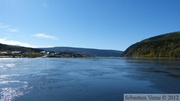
<point x="3" y="26"/>
<point x="43" y="35"/>
<point x="13" y="42"/>
<point x="14" y="30"/>
<point x="8" y="28"/>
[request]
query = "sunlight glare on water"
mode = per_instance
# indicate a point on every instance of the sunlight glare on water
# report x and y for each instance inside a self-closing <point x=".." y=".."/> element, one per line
<point x="86" y="79"/>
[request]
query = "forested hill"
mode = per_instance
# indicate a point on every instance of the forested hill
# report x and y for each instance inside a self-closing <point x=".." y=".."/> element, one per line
<point x="166" y="45"/>
<point x="9" y="48"/>
<point x="92" y="52"/>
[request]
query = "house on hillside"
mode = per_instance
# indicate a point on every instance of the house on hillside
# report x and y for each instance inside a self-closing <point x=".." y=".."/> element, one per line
<point x="3" y="52"/>
<point x="15" y="52"/>
<point x="43" y="52"/>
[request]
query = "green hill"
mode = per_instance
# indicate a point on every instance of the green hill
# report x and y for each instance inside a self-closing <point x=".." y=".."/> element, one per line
<point x="18" y="51"/>
<point x="166" y="45"/>
<point x="87" y="51"/>
<point x="9" y="48"/>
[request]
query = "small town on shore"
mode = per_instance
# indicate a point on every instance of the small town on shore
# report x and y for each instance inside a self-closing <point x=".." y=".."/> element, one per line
<point x="43" y="54"/>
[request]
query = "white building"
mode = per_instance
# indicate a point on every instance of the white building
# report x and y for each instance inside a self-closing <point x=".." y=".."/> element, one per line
<point x="16" y="52"/>
<point x="3" y="52"/>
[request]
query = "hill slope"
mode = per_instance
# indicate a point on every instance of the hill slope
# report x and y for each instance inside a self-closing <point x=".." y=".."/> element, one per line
<point x="94" y="52"/>
<point x="10" y="51"/>
<point x="9" y="48"/>
<point x="166" y="45"/>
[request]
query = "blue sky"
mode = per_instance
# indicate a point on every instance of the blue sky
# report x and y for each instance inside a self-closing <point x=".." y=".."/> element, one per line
<point x="102" y="24"/>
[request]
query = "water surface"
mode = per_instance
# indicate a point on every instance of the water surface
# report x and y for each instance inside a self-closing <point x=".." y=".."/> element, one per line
<point x="92" y="79"/>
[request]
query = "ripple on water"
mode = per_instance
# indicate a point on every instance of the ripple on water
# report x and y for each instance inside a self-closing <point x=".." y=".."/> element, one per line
<point x="8" y="76"/>
<point x="11" y="88"/>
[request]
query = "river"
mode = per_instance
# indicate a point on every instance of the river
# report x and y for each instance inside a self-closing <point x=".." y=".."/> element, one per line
<point x="86" y="79"/>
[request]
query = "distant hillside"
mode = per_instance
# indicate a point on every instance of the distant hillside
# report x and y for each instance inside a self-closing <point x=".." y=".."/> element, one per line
<point x="166" y="45"/>
<point x="9" y="48"/>
<point x="93" y="52"/>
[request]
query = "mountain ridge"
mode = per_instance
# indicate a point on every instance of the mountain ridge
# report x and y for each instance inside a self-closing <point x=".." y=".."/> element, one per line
<point x="89" y="51"/>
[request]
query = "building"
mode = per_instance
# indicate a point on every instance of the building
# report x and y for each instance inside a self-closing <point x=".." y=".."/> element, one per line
<point x="16" y="52"/>
<point x="3" y="52"/>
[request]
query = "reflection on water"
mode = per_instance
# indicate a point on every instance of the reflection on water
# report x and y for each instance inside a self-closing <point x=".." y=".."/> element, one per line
<point x="163" y="74"/>
<point x="96" y="79"/>
<point x="11" y="88"/>
<point x="9" y="93"/>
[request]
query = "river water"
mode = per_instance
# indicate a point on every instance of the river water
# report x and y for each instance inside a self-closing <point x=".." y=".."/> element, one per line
<point x="85" y="79"/>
